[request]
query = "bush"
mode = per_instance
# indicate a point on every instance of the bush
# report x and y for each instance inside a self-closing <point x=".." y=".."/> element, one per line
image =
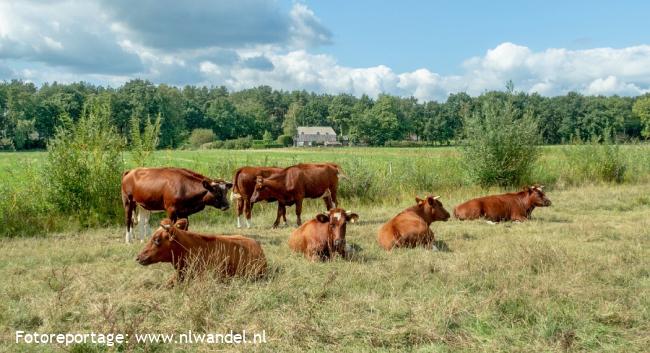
<point x="285" y="140"/>
<point x="238" y="144"/>
<point x="24" y="210"/>
<point x="405" y="143"/>
<point x="144" y="143"/>
<point x="199" y="137"/>
<point x="501" y="144"/>
<point x="84" y="168"/>
<point x="6" y="144"/>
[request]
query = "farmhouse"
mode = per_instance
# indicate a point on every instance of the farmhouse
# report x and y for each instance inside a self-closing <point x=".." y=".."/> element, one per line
<point x="315" y="135"/>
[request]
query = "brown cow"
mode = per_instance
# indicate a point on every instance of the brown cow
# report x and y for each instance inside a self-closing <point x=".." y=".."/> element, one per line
<point x="410" y="228"/>
<point x="515" y="206"/>
<point x="178" y="191"/>
<point x="323" y="236"/>
<point x="233" y="255"/>
<point x="243" y="188"/>
<point x="293" y="184"/>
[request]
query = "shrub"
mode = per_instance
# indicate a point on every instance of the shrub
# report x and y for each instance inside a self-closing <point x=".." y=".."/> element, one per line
<point x="24" y="210"/>
<point x="144" y="143"/>
<point x="6" y="144"/>
<point x="267" y="137"/>
<point x="285" y="140"/>
<point x="238" y="144"/>
<point x="501" y="144"/>
<point x="406" y="143"/>
<point x="199" y="137"/>
<point x="84" y="167"/>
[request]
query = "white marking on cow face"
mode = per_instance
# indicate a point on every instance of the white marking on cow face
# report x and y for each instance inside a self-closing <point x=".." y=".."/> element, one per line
<point x="337" y="215"/>
<point x="222" y="186"/>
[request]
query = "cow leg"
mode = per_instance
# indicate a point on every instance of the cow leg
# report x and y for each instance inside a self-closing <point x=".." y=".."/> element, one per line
<point x="240" y="210"/>
<point x="172" y="214"/>
<point x="328" y="202"/>
<point x="129" y="206"/>
<point x="248" y="211"/>
<point x="284" y="214"/>
<point x="335" y="202"/>
<point x="281" y="210"/>
<point x="298" y="211"/>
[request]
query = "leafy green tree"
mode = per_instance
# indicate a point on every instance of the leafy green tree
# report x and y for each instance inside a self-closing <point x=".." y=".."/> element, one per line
<point x="168" y="103"/>
<point x="290" y="124"/>
<point x="84" y="166"/>
<point x="340" y="112"/>
<point x="641" y="109"/>
<point x="380" y="123"/>
<point x="226" y="121"/>
<point x="500" y="148"/>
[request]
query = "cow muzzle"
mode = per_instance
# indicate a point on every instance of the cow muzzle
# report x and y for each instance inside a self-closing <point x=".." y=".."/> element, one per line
<point x="143" y="260"/>
<point x="547" y="203"/>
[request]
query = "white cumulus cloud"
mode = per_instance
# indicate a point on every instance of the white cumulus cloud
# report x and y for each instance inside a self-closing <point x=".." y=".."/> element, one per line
<point x="246" y="43"/>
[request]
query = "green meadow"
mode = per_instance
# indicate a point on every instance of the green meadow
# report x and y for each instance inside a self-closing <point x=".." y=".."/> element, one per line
<point x="574" y="278"/>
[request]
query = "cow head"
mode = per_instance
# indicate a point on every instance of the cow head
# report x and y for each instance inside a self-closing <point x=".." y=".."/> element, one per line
<point x="260" y="192"/>
<point x="217" y="195"/>
<point x="336" y="219"/>
<point x="159" y="248"/>
<point x="432" y="208"/>
<point x="536" y="196"/>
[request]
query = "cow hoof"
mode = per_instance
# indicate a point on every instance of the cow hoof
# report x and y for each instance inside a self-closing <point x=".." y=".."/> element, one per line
<point x="492" y="223"/>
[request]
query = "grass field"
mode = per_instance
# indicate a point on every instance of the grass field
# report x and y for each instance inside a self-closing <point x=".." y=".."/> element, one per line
<point x="575" y="278"/>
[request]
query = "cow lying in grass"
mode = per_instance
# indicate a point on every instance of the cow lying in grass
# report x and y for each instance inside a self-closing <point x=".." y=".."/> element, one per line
<point x="514" y="206"/>
<point x="410" y="228"/>
<point x="323" y="236"/>
<point x="227" y="255"/>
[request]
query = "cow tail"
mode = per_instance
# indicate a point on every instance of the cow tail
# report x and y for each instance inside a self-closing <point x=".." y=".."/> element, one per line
<point x="340" y="173"/>
<point x="235" y="190"/>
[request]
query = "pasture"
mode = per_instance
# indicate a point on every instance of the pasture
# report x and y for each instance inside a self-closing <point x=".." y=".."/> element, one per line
<point x="574" y="278"/>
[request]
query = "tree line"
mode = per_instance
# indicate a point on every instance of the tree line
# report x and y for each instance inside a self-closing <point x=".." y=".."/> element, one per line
<point x="30" y="115"/>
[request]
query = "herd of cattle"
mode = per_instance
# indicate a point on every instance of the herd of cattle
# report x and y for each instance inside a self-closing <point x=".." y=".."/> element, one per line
<point x="181" y="192"/>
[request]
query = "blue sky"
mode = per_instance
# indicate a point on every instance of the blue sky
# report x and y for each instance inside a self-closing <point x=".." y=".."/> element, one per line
<point x="440" y="35"/>
<point x="425" y="49"/>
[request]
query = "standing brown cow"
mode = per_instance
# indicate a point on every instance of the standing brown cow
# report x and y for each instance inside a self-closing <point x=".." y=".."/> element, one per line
<point x="293" y="184"/>
<point x="233" y="255"/>
<point x="323" y="236"/>
<point x="243" y="188"/>
<point x="179" y="192"/>
<point x="410" y="228"/>
<point x="515" y="206"/>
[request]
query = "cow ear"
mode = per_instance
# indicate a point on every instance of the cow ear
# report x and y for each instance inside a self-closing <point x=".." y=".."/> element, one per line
<point x="323" y="218"/>
<point x="351" y="217"/>
<point x="228" y="185"/>
<point x="182" y="223"/>
<point x="418" y="200"/>
<point x="208" y="185"/>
